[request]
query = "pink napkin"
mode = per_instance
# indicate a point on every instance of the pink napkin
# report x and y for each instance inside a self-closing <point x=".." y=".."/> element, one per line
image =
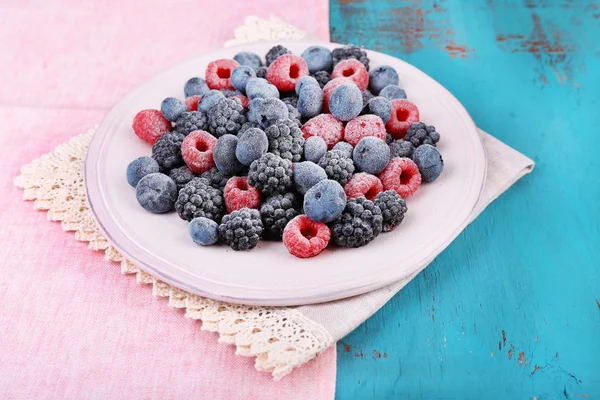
<point x="71" y="324"/>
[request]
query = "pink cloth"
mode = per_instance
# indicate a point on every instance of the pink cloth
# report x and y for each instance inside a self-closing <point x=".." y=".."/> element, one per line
<point x="71" y="325"/>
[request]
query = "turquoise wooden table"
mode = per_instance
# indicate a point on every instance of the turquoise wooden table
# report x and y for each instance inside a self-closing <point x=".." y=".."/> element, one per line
<point x="511" y="310"/>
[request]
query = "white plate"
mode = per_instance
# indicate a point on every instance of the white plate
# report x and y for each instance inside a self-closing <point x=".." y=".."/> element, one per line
<point x="269" y="275"/>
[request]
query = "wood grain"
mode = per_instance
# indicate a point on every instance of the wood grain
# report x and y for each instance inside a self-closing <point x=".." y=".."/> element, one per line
<point x="511" y="310"/>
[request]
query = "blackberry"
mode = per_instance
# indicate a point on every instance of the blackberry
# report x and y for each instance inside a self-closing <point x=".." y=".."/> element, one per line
<point x="181" y="176"/>
<point x="248" y="125"/>
<point x="271" y="174"/>
<point x="275" y="52"/>
<point x="199" y="199"/>
<point x="393" y="208"/>
<point x="191" y="121"/>
<point x="277" y="211"/>
<point x="366" y="96"/>
<point x="349" y="51"/>
<point x="291" y="101"/>
<point x="337" y="166"/>
<point x="261" y="72"/>
<point x="215" y="177"/>
<point x="226" y="116"/>
<point x="418" y="133"/>
<point x="360" y="223"/>
<point x="241" y="229"/>
<point x="401" y="148"/>
<point x="285" y="140"/>
<point x="167" y="151"/>
<point x="230" y="93"/>
<point x="294" y="114"/>
<point x="322" y="77"/>
<point x="389" y="139"/>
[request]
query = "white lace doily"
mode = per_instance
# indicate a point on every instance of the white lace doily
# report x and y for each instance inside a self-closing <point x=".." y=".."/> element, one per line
<point x="280" y="338"/>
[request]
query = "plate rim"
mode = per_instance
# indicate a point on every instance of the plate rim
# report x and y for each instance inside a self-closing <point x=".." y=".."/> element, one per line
<point x="90" y="169"/>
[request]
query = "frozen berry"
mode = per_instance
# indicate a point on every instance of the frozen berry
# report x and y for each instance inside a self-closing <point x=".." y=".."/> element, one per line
<point x="181" y="176"/>
<point x="285" y="71"/>
<point x="276" y="211"/>
<point x="218" y="73"/>
<point x="241" y="229"/>
<point x="401" y="148"/>
<point x="191" y="103"/>
<point x="353" y="70"/>
<point x="238" y="194"/>
<point x="251" y="145"/>
<point x="371" y="155"/>
<point x="350" y="51"/>
<point x="305" y="238"/>
<point x="392" y="92"/>
<point x="204" y="231"/>
<point x="195" y="87"/>
<point x="167" y="151"/>
<point x="226" y="116"/>
<point x="307" y="174"/>
<point x="345" y="148"/>
<point x="323" y="77"/>
<point x="403" y="114"/>
<point x="210" y="99"/>
<point x="318" y="58"/>
<point x="310" y="101"/>
<point x="172" y="108"/>
<point x="249" y="59"/>
<point x="267" y="111"/>
<point x="429" y="161"/>
<point x="261" y="72"/>
<point x="271" y="174"/>
<point x="382" y="76"/>
<point x="358" y="225"/>
<point x="156" y="193"/>
<point x="191" y="121"/>
<point x="393" y="208"/>
<point x="139" y="168"/>
<point x="364" y="126"/>
<point x="329" y="88"/>
<point x="314" y="148"/>
<point x="337" y="166"/>
<point x="325" y="201"/>
<point x="363" y="184"/>
<point x="419" y="133"/>
<point x="149" y="125"/>
<point x="345" y="102"/>
<point x="224" y="155"/>
<point x="240" y="77"/>
<point x="306" y="80"/>
<point x="381" y="107"/>
<point x="199" y="199"/>
<point x="259" y="87"/>
<point x="401" y="175"/>
<point x="325" y="126"/>
<point x="275" y="52"/>
<point x="197" y="151"/>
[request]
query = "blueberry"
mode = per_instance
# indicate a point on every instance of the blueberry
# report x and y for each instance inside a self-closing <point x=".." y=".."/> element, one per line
<point x="204" y="231"/>
<point x="371" y="155"/>
<point x="224" y="155"/>
<point x="195" y="87"/>
<point x="429" y="161"/>
<point x="156" y="192"/>
<point x="345" y="102"/>
<point x="252" y="144"/>
<point x="318" y="58"/>
<point x="250" y="59"/>
<point x="325" y="201"/>
<point x="345" y="147"/>
<point x="305" y="81"/>
<point x="240" y="77"/>
<point x="382" y="107"/>
<point x="139" y="168"/>
<point x="314" y="148"/>
<point x="210" y="99"/>
<point x="310" y="101"/>
<point x="267" y="111"/>
<point x="382" y="76"/>
<point x="307" y="174"/>
<point x="392" y="92"/>
<point x="259" y="87"/>
<point x="172" y="108"/>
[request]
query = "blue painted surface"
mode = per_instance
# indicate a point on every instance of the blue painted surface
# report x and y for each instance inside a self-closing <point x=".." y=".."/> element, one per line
<point x="511" y="310"/>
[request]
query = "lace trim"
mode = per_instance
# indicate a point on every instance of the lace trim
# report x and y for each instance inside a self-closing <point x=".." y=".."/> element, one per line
<point x="280" y="338"/>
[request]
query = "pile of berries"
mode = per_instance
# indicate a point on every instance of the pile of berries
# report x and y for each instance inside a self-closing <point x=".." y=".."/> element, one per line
<point x="311" y="149"/>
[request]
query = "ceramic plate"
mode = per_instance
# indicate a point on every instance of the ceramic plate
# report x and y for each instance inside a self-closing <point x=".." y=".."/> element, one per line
<point x="269" y="275"/>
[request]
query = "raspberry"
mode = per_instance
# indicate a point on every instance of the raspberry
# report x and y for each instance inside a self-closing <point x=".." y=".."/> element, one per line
<point x="329" y="88"/>
<point x="197" y="151"/>
<point x="238" y="194"/>
<point x="404" y="113"/>
<point x="325" y="126"/>
<point x="277" y="211"/>
<point x="419" y="133"/>
<point x="401" y="175"/>
<point x="350" y="51"/>
<point x="274" y="53"/>
<point x="363" y="126"/>
<point x="285" y="71"/>
<point x="241" y="229"/>
<point x="192" y="103"/>
<point x="305" y="238"/>
<point x="363" y="185"/>
<point x="354" y="70"/>
<point x="359" y="224"/>
<point x="322" y="77"/>
<point x="149" y="125"/>
<point x="218" y="74"/>
<point x="393" y="208"/>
